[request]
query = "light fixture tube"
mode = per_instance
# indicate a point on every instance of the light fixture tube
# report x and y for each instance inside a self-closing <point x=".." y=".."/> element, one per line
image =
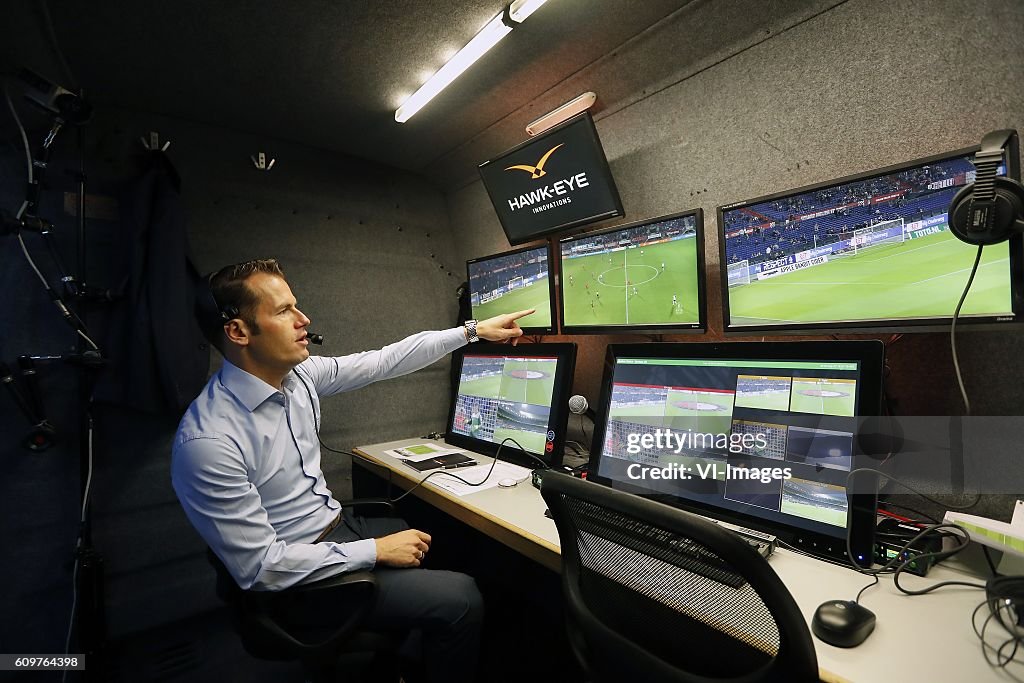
<point x="488" y="37"/>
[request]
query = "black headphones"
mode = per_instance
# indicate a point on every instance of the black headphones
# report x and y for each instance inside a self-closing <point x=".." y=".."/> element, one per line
<point x="1005" y="597"/>
<point x="991" y="209"/>
<point x="209" y="312"/>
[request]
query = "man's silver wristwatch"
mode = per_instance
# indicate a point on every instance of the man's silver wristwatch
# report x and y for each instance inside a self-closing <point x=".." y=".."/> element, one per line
<point x="471" y="331"/>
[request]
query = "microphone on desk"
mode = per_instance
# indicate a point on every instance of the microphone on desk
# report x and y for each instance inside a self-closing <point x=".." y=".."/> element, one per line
<point x="578" y="405"/>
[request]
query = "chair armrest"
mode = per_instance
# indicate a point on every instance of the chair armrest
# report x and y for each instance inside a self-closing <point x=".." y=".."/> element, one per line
<point x="365" y="579"/>
<point x="358" y="591"/>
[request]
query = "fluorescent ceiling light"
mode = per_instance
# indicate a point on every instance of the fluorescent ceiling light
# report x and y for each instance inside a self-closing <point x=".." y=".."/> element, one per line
<point x="488" y="37"/>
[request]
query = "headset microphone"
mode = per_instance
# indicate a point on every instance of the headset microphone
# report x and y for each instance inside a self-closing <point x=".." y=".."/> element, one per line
<point x="315" y="338"/>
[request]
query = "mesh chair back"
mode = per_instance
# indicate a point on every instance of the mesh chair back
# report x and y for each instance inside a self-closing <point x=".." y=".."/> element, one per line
<point x="660" y="594"/>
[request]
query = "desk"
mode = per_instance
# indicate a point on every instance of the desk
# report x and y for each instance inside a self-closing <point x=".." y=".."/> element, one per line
<point x="917" y="638"/>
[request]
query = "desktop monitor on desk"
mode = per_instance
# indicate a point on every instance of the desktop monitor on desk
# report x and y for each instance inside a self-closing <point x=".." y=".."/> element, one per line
<point x="759" y="434"/>
<point x="519" y="392"/>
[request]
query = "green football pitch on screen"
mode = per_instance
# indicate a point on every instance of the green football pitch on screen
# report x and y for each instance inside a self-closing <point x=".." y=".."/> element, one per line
<point x="654" y="285"/>
<point x="523" y="381"/>
<point x="918" y="278"/>
<point x="535" y="295"/>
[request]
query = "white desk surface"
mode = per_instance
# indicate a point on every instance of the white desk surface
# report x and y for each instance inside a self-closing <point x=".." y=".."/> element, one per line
<point x="926" y="638"/>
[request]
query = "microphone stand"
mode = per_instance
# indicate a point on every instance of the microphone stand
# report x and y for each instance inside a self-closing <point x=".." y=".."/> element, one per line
<point x="87" y="576"/>
<point x="91" y="615"/>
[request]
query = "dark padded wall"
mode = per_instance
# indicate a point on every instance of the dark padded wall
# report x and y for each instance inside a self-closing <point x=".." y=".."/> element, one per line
<point x="833" y="88"/>
<point x="368" y="252"/>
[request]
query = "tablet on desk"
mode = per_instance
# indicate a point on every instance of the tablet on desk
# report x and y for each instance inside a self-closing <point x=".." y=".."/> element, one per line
<point x="450" y="461"/>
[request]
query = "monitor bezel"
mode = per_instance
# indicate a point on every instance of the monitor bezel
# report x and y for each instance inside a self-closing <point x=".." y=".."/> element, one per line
<point x="1016" y="265"/>
<point x="871" y="356"/>
<point x="603" y="167"/>
<point x="700" y="327"/>
<point x="564" y="373"/>
<point x="534" y="329"/>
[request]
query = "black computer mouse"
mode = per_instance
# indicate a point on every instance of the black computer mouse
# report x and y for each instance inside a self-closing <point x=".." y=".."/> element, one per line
<point x="843" y="623"/>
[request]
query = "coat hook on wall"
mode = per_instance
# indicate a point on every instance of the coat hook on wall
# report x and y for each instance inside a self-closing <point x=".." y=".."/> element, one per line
<point x="260" y="162"/>
<point x="153" y="143"/>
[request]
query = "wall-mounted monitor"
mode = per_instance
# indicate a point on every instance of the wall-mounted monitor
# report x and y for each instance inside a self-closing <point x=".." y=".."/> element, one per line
<point x="554" y="182"/>
<point x="519" y="392"/>
<point x="513" y="281"/>
<point x="872" y="251"/>
<point x="761" y="434"/>
<point x="644" y="276"/>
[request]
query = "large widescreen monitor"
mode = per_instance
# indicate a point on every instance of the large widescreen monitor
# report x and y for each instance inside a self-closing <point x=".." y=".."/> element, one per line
<point x="507" y="391"/>
<point x="645" y="276"/>
<point x="553" y="182"/>
<point x="759" y="434"/>
<point x="870" y="251"/>
<point x="513" y="281"/>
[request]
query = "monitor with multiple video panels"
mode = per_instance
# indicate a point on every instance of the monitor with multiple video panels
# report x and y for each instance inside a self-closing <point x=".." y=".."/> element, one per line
<point x="871" y="251"/>
<point x="513" y="281"/>
<point x="763" y="435"/>
<point x="556" y="181"/>
<point x="519" y="392"/>
<point x="644" y="276"/>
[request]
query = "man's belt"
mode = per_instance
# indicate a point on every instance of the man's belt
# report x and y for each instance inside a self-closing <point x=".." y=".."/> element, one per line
<point x="330" y="527"/>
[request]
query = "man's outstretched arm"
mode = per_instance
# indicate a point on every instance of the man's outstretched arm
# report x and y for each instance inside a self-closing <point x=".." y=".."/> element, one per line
<point x="332" y="375"/>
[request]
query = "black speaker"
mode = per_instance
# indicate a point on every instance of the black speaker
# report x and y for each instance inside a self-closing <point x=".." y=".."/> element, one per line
<point x="207" y="309"/>
<point x="991" y="209"/>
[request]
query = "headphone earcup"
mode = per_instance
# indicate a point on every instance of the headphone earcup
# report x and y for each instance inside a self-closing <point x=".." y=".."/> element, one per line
<point x="1008" y="214"/>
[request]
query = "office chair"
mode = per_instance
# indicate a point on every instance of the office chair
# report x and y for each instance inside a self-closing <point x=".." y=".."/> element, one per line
<point x="657" y="594"/>
<point x="271" y="627"/>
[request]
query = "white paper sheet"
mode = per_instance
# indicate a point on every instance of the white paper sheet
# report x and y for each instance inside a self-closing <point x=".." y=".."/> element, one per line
<point x="502" y="470"/>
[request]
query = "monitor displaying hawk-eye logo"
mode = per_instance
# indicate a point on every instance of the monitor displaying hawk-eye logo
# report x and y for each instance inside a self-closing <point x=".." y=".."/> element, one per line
<point x="538" y="170"/>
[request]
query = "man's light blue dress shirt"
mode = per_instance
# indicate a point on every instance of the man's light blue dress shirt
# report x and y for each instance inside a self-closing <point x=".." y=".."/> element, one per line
<point x="245" y="463"/>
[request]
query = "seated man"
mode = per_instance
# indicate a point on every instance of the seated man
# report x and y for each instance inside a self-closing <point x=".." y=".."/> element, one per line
<point x="246" y="466"/>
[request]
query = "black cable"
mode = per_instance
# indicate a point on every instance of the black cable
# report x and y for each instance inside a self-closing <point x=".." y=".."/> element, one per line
<point x="899" y="561"/>
<point x="468" y="483"/>
<point x="938" y="556"/>
<point x="1001" y="660"/>
<point x="874" y="582"/>
<point x="988" y="559"/>
<point x="952" y="332"/>
<point x="950" y="506"/>
<point x="316" y="430"/>
<point x="424" y="479"/>
<point x="586" y="438"/>
<point x="926" y="517"/>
